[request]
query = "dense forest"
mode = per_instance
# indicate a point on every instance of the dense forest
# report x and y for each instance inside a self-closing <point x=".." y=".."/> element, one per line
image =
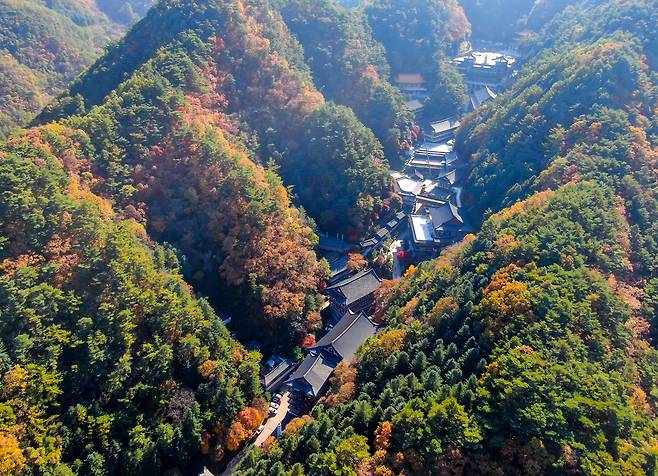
<point x="172" y="151"/>
<point x="414" y="32"/>
<point x="506" y="20"/>
<point x="273" y="110"/>
<point x="350" y="67"/>
<point x="183" y="178"/>
<point x="527" y="349"/>
<point x="109" y="362"/>
<point x="45" y="44"/>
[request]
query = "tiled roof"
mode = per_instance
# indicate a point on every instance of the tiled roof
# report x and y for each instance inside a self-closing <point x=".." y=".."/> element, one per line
<point x="347" y="335"/>
<point x="444" y="214"/>
<point x="445" y="125"/>
<point x="276" y="373"/>
<point x="409" y="78"/>
<point x="482" y="95"/>
<point x="356" y="287"/>
<point x="312" y="374"/>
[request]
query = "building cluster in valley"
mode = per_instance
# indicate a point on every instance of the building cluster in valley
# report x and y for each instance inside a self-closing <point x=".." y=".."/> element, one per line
<point x="349" y="325"/>
<point x="431" y="219"/>
<point x="429" y="182"/>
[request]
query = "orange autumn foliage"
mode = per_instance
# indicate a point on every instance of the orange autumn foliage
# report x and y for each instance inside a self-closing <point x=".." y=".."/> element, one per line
<point x="383" y="435"/>
<point x="536" y="201"/>
<point x="236" y="435"/>
<point x="504" y="298"/>
<point x="309" y="341"/>
<point x="208" y="368"/>
<point x="385" y="343"/>
<point x="445" y="305"/>
<point x="343" y="385"/>
<point x="356" y="262"/>
<point x="250" y="418"/>
<point x="313" y="321"/>
<point x="382" y="296"/>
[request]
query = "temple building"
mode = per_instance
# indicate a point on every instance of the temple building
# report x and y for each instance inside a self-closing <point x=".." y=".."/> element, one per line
<point x="433" y="160"/>
<point x="434" y="227"/>
<point x="374" y="242"/>
<point x="411" y="85"/>
<point x="479" y="96"/>
<point x="311" y="378"/>
<point x="485" y="68"/>
<point x="344" y="339"/>
<point x="443" y="130"/>
<point x="353" y="294"/>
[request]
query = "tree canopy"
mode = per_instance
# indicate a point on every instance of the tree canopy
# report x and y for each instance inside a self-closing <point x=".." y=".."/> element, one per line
<point x="527" y="348"/>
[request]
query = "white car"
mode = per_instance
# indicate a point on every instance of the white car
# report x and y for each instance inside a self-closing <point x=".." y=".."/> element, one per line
<point x="260" y="429"/>
<point x="276" y="398"/>
<point x="273" y="411"/>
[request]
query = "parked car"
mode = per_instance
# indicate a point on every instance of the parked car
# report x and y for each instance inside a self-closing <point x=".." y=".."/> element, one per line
<point x="275" y="405"/>
<point x="260" y="429"/>
<point x="273" y="411"/>
<point x="276" y="398"/>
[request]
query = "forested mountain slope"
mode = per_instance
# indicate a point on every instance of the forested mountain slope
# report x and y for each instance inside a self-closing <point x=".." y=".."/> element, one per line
<point x="170" y="154"/>
<point x="504" y="20"/>
<point x="174" y="164"/>
<point x="253" y="73"/>
<point x="349" y="67"/>
<point x="125" y="11"/>
<point x="44" y="45"/>
<point x="415" y="32"/>
<point x="109" y="364"/>
<point x="584" y="110"/>
<point x="528" y="348"/>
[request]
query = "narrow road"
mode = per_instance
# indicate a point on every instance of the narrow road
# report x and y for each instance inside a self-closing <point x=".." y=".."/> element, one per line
<point x="270" y="427"/>
<point x="397" y="266"/>
<point x="458" y="196"/>
<point x="272" y="423"/>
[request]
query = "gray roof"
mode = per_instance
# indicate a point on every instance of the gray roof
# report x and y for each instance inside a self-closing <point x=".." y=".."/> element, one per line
<point x="438" y="195"/>
<point x="426" y="201"/>
<point x="443" y="214"/>
<point x="337" y="264"/>
<point x="347" y="335"/>
<point x="312" y="374"/>
<point x="355" y="287"/>
<point x="482" y="95"/>
<point x="414" y="105"/>
<point x="276" y="373"/>
<point x="368" y="242"/>
<point x="445" y="125"/>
